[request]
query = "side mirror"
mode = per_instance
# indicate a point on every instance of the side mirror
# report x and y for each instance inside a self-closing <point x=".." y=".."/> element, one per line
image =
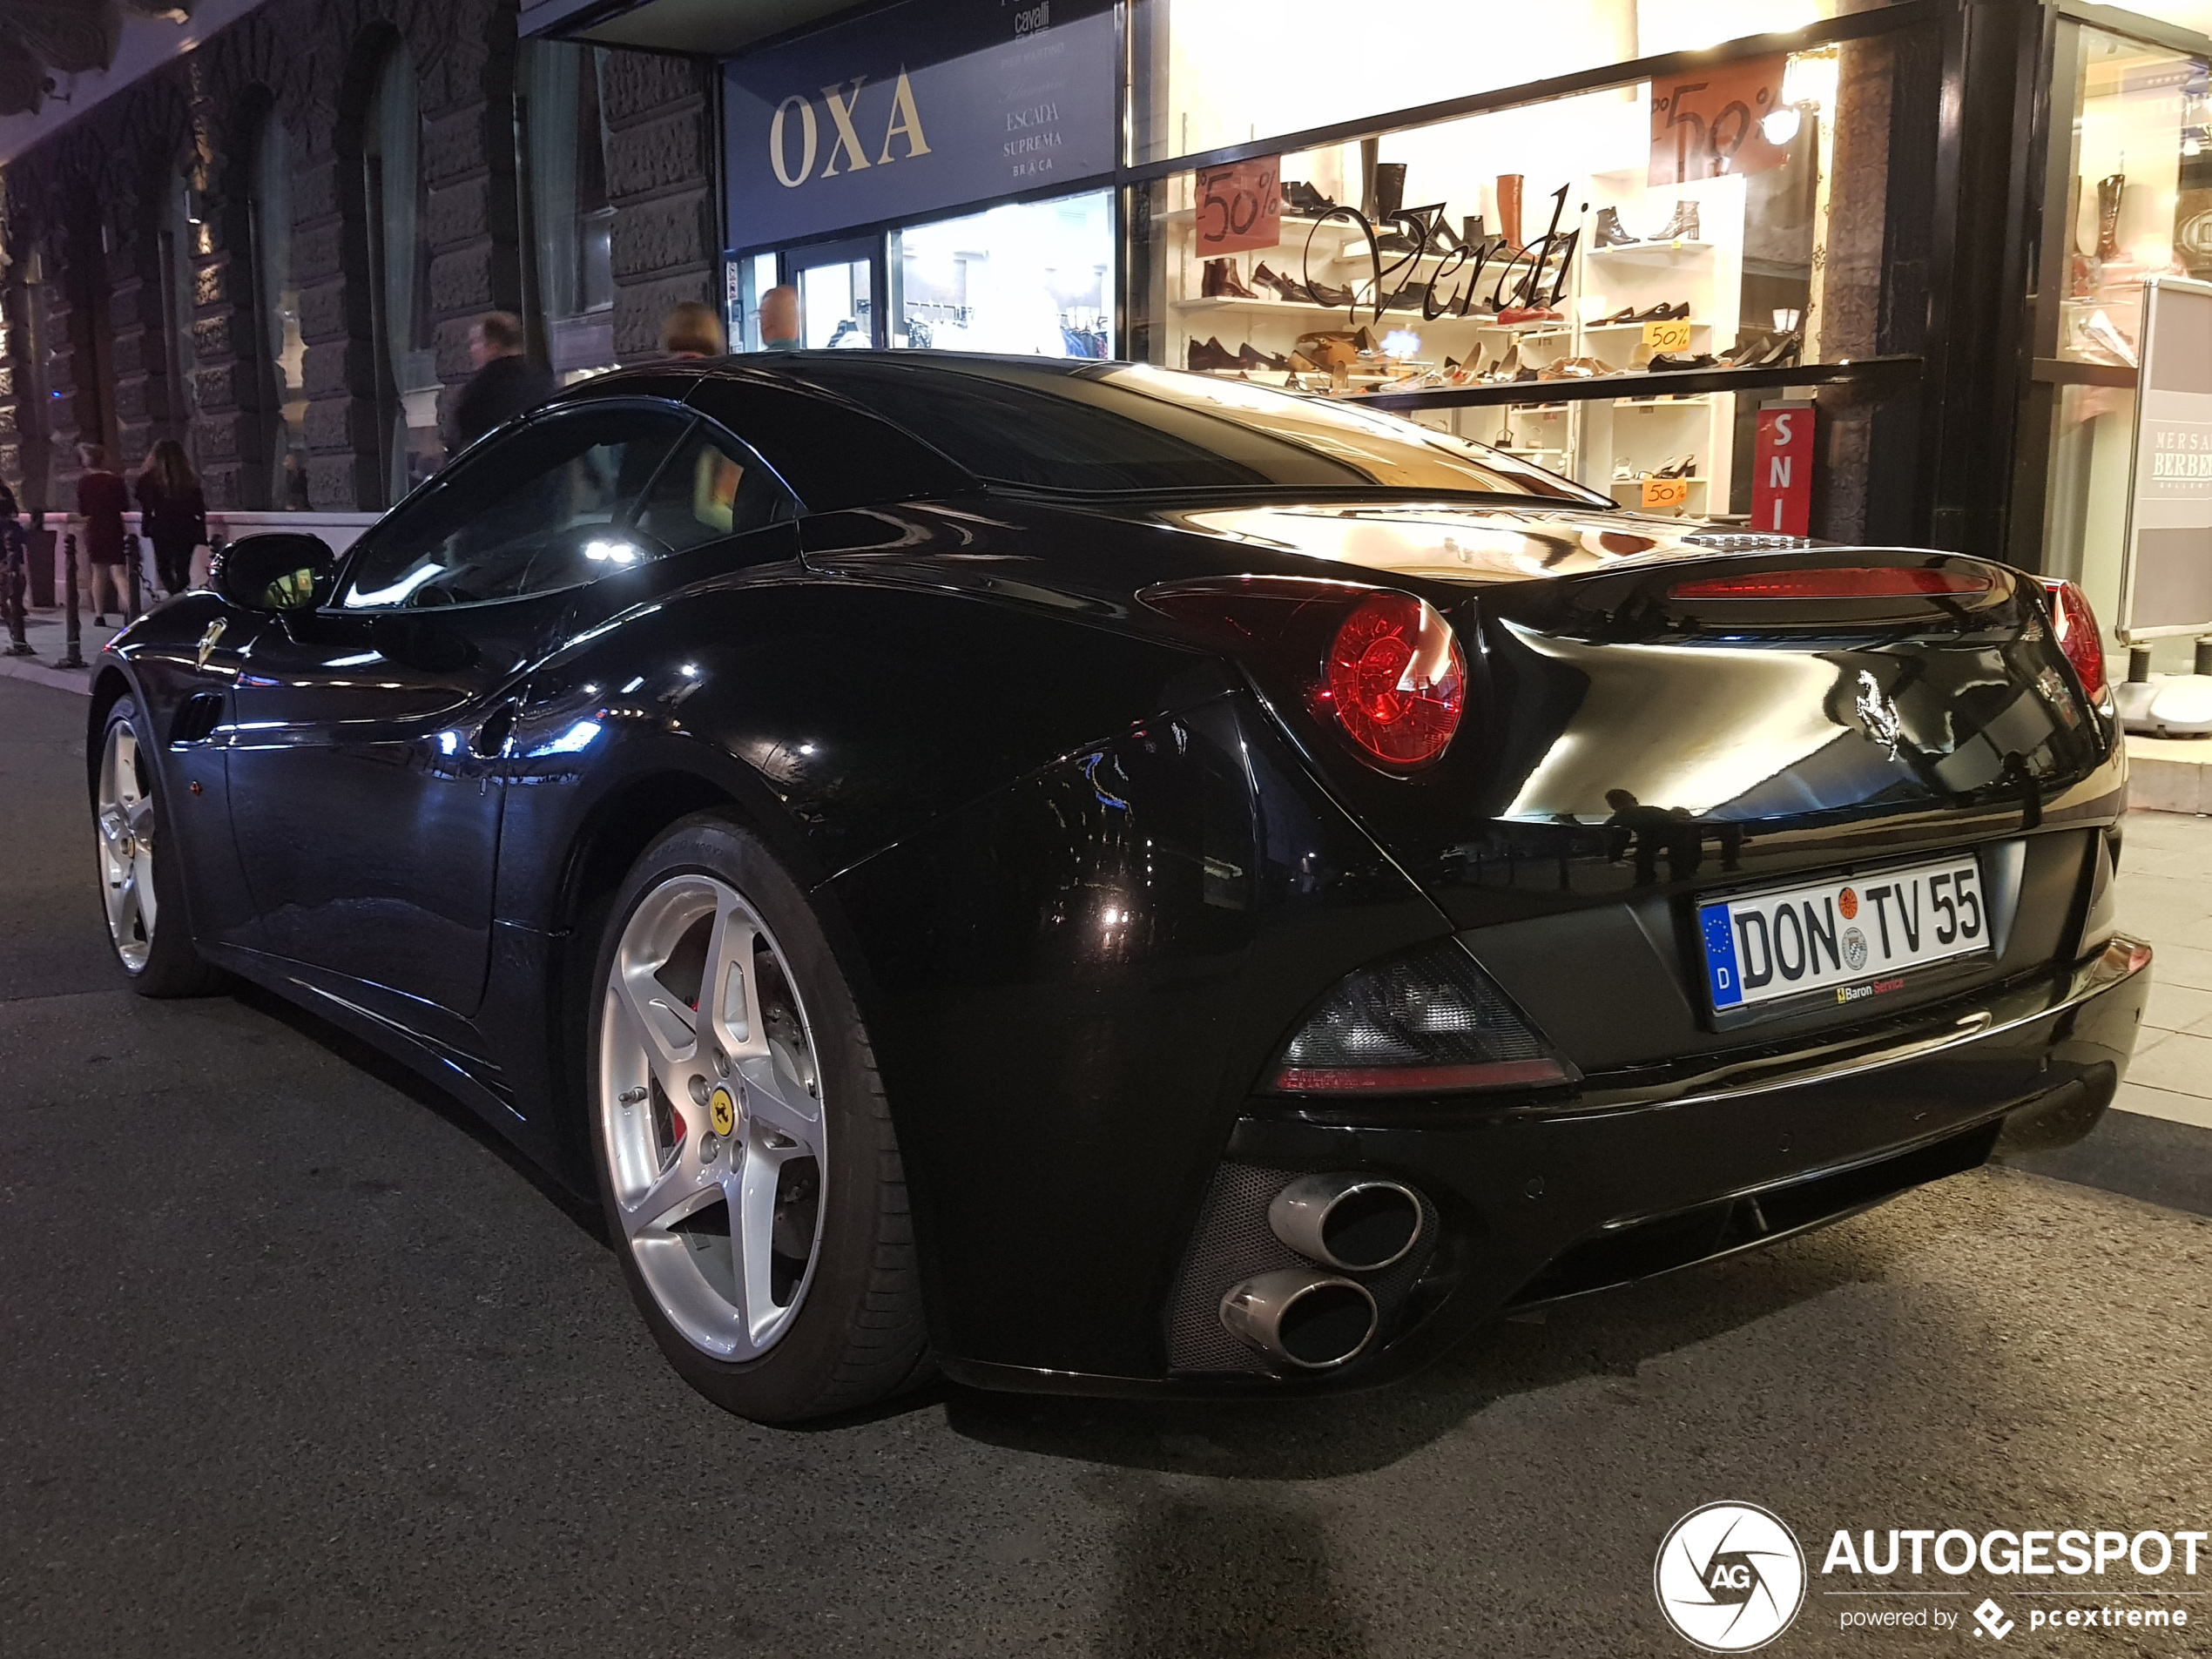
<point x="282" y="571"/>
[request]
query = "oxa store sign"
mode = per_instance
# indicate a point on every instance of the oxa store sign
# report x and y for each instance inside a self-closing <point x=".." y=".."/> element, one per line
<point x="930" y="104"/>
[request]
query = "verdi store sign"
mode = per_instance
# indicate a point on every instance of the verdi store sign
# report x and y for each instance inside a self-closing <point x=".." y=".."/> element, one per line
<point x="933" y="104"/>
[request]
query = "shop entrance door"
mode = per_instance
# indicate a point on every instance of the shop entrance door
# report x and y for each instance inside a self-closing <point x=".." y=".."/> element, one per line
<point x="840" y="288"/>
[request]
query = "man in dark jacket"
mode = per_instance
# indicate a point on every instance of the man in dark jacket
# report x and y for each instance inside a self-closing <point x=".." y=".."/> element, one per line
<point x="505" y="382"/>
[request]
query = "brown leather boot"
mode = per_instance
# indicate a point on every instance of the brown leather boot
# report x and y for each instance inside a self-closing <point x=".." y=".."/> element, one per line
<point x="1509" y="209"/>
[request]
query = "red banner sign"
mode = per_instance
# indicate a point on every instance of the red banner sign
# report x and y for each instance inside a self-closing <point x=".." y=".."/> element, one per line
<point x="1782" y="471"/>
<point x="1705" y="122"/>
<point x="1240" y="207"/>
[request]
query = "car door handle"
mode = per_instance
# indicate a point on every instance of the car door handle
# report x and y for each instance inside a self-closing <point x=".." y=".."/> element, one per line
<point x="490" y="740"/>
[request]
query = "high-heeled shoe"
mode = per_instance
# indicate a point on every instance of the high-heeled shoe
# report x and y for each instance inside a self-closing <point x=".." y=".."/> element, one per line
<point x="1680" y="469"/>
<point x="1302" y="198"/>
<point x="1280" y="285"/>
<point x="1251" y="356"/>
<point x="1609" y="231"/>
<point x="1683" y="227"/>
<point x="1321" y="293"/>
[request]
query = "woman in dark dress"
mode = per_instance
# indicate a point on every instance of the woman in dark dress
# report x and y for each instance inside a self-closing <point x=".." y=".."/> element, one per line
<point x="173" y="513"/>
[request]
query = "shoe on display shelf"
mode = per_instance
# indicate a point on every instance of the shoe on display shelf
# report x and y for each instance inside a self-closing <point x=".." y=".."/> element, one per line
<point x="1674" y="363"/>
<point x="1207" y="356"/>
<point x="1577" y="368"/>
<point x="2099" y="340"/>
<point x="1609" y="231"/>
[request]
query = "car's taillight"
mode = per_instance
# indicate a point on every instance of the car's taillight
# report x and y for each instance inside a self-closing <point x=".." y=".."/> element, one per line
<point x="2075" y="626"/>
<point x="1382" y="667"/>
<point x="1396" y="679"/>
<point x="1835" y="581"/>
<point x="1430" y="1022"/>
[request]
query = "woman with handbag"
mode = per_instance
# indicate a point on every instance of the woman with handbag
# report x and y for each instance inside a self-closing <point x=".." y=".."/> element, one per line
<point x="172" y="512"/>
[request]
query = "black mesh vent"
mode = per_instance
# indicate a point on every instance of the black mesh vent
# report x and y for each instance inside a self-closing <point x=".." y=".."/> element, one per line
<point x="1232" y="1242"/>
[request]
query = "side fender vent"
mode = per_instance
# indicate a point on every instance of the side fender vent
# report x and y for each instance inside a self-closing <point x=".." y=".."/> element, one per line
<point x="197" y="718"/>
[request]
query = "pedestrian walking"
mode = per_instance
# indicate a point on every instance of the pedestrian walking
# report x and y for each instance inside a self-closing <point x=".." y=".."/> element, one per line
<point x="172" y="512"/>
<point x="101" y="501"/>
<point x="15" y="572"/>
<point x="505" y="383"/>
<point x="779" y="318"/>
<point x="691" y="330"/>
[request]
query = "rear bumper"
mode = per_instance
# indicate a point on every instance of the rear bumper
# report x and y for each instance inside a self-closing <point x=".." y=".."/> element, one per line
<point x="1534" y="1204"/>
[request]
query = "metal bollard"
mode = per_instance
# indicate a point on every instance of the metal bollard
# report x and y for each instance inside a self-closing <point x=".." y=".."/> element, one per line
<point x="130" y="556"/>
<point x="72" y="643"/>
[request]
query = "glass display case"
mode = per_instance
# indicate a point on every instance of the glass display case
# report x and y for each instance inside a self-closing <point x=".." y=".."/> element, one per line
<point x="1608" y="284"/>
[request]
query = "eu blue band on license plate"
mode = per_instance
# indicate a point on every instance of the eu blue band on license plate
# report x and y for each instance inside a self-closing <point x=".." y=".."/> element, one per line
<point x="1852" y="936"/>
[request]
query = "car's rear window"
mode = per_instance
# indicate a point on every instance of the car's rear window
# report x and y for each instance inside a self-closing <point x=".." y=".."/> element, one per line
<point x="1119" y="428"/>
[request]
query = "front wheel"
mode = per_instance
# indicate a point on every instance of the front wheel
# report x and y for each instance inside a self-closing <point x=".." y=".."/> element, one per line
<point x="138" y="880"/>
<point x="746" y="1162"/>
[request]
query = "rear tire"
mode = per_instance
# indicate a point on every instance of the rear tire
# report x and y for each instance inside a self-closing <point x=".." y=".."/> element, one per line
<point x="141" y="890"/>
<point x="746" y="1162"/>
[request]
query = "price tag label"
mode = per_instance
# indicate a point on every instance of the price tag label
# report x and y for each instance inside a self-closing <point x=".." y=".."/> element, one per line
<point x="1665" y="494"/>
<point x="1240" y="207"/>
<point x="1671" y="335"/>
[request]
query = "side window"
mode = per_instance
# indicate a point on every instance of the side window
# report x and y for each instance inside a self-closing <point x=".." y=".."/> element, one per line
<point x="529" y="512"/>
<point x="713" y="487"/>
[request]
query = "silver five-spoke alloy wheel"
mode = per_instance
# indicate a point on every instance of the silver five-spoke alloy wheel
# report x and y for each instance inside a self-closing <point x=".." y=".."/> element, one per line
<point x="124" y="815"/>
<point x="709" y="1107"/>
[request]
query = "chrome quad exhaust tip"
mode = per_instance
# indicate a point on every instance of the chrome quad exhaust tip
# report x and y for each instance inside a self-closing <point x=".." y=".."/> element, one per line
<point x="1357" y="1224"/>
<point x="1299" y="1318"/>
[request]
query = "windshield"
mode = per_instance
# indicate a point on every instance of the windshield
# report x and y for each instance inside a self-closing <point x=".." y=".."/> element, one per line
<point x="1119" y="428"/>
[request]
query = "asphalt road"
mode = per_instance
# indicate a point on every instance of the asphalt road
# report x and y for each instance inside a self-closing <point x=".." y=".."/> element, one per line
<point x="294" y="1361"/>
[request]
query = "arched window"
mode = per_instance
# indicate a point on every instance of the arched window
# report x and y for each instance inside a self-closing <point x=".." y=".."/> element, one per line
<point x="399" y="262"/>
<point x="280" y="354"/>
<point x="561" y="136"/>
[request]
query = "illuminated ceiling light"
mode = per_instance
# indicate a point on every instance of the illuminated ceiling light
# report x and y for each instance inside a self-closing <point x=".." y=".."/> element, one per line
<point x="1781" y="126"/>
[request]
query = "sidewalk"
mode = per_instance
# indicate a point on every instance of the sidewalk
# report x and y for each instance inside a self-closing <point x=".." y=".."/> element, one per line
<point x="45" y="630"/>
<point x="2166" y="897"/>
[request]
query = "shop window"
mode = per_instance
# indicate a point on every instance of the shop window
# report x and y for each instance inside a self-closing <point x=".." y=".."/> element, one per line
<point x="1036" y="278"/>
<point x="396" y="213"/>
<point x="1738" y="220"/>
<point x="276" y="296"/>
<point x="1213" y="73"/>
<point x="2140" y="200"/>
<point x="569" y="219"/>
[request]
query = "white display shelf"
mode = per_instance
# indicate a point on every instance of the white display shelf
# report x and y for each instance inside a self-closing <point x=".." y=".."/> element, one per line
<point x="1561" y="330"/>
<point x="1637" y="484"/>
<point x="1651" y="252"/>
<point x="1288" y="307"/>
<point x="1659" y="404"/>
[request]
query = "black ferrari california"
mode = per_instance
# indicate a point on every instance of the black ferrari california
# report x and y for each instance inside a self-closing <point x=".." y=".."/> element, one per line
<point x="1102" y="879"/>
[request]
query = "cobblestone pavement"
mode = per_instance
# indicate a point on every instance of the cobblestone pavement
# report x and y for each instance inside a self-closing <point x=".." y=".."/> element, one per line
<point x="294" y="1361"/>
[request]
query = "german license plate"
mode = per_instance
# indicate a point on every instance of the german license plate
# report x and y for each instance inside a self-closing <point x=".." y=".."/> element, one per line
<point x="1855" y="936"/>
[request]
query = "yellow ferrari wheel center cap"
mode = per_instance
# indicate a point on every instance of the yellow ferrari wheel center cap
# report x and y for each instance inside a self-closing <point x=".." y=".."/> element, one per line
<point x="724" y="1106"/>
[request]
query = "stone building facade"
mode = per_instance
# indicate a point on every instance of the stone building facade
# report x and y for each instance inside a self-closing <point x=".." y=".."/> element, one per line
<point x="88" y="294"/>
